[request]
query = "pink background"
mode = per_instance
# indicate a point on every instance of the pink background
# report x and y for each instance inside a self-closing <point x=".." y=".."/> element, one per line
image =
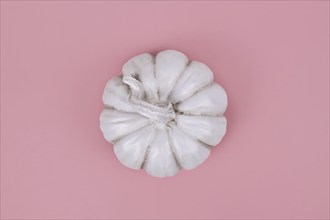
<point x="272" y="58"/>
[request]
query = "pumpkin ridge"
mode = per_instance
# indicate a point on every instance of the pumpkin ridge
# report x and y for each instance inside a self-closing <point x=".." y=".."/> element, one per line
<point x="170" y="141"/>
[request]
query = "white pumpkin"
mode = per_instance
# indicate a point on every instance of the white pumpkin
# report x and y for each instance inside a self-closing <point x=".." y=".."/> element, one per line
<point x="164" y="113"/>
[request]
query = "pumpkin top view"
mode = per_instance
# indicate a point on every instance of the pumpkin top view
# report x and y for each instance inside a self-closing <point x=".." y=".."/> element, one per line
<point x="163" y="113"/>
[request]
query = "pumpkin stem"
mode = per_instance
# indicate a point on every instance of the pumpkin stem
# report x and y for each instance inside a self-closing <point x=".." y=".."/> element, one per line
<point x="161" y="115"/>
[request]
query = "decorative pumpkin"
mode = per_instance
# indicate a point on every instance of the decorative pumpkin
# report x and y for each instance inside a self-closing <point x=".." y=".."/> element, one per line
<point x="163" y="113"/>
